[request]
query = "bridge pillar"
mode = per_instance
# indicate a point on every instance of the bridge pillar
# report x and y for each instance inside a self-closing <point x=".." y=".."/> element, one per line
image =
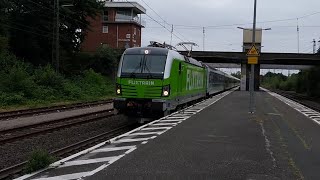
<point x="245" y="77"/>
<point x="257" y="77"/>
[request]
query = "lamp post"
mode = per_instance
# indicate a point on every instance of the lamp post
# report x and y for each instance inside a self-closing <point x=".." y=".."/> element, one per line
<point x="265" y="29"/>
<point x="58" y="33"/>
<point x="251" y="84"/>
<point x="58" y="36"/>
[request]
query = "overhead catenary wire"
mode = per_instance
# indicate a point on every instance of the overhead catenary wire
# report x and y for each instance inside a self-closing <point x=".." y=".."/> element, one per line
<point x="157" y="22"/>
<point x="28" y="31"/>
<point x="242" y="24"/>
<point x="172" y="25"/>
<point x="51" y="9"/>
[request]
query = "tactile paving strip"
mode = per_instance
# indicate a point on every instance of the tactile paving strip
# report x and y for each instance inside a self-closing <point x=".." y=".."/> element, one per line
<point x="310" y="113"/>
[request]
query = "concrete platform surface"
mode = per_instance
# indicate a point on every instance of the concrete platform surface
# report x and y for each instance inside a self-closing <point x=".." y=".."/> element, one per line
<point x="216" y="139"/>
<point x="225" y="142"/>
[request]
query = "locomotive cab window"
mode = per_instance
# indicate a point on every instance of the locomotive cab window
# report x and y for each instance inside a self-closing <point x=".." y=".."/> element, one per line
<point x="143" y="66"/>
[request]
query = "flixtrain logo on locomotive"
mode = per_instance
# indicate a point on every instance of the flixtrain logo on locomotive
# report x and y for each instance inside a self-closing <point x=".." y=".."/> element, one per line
<point x="148" y="83"/>
<point x="194" y="80"/>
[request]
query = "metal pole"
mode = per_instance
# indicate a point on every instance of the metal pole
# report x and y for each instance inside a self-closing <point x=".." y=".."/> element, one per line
<point x="57" y="38"/>
<point x="314" y="46"/>
<point x="171" y="34"/>
<point x="298" y="35"/>
<point x="53" y="34"/>
<point x="251" y="87"/>
<point x="204" y="36"/>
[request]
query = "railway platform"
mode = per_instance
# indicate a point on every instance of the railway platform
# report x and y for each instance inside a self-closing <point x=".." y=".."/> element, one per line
<point x="215" y="139"/>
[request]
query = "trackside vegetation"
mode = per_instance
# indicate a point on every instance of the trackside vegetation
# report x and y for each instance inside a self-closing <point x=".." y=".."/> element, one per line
<point x="25" y="85"/>
<point x="305" y="82"/>
<point x="39" y="159"/>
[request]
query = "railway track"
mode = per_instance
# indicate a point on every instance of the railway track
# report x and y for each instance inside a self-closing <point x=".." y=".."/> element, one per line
<point x="8" y="173"/>
<point x="23" y="132"/>
<point x="59" y="108"/>
<point x="304" y="100"/>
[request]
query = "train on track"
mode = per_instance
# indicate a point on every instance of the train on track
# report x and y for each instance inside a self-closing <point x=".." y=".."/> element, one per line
<point x="156" y="80"/>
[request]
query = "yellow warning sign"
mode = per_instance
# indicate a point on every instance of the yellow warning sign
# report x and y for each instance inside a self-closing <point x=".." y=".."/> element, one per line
<point x="252" y="60"/>
<point x="253" y="51"/>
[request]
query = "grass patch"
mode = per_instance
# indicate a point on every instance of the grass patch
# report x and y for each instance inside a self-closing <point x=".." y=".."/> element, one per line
<point x="39" y="159"/>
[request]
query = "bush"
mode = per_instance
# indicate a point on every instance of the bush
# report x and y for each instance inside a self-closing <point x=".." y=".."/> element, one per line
<point x="3" y="43"/>
<point x="16" y="79"/>
<point x="72" y="90"/>
<point x="23" y="84"/>
<point x="11" y="99"/>
<point x="39" y="159"/>
<point x="46" y="76"/>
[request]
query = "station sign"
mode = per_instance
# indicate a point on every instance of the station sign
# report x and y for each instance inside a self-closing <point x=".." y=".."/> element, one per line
<point x="253" y="55"/>
<point x="253" y="51"/>
<point x="252" y="60"/>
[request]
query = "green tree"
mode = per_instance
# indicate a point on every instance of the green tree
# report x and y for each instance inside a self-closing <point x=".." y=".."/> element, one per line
<point x="237" y="75"/>
<point x="31" y="24"/>
<point x="104" y="61"/>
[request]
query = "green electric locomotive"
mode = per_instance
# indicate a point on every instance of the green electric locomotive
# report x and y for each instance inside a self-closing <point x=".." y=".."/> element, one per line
<point x="154" y="81"/>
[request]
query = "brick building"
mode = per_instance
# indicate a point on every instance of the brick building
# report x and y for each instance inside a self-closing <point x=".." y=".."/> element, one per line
<point x="118" y="26"/>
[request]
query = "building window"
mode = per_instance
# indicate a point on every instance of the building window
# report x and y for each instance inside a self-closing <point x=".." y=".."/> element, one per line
<point x="135" y="31"/>
<point x="138" y="32"/>
<point x="104" y="45"/>
<point x="128" y="36"/>
<point x="105" y="16"/>
<point x="105" y="29"/>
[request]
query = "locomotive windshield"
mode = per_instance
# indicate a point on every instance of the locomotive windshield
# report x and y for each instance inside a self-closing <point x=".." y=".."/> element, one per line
<point x="143" y="66"/>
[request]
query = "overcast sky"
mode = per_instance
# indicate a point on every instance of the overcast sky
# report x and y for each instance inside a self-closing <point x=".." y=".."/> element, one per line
<point x="221" y="18"/>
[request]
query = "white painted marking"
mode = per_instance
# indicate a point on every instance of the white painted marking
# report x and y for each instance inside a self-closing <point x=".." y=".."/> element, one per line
<point x="109" y="149"/>
<point x="64" y="177"/>
<point x="275" y="114"/>
<point x="176" y="121"/>
<point x="177" y="118"/>
<point x="144" y="133"/>
<point x="106" y="165"/>
<point x="131" y="150"/>
<point x="190" y="111"/>
<point x="87" y="161"/>
<point x="311" y="114"/>
<point x="135" y="140"/>
<point x="267" y="144"/>
<point x="165" y="124"/>
<point x="314" y="116"/>
<point x="156" y="128"/>
<point x="181" y="116"/>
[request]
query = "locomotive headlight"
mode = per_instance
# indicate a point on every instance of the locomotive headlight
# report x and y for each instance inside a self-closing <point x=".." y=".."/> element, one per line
<point x="118" y="89"/>
<point x="166" y="91"/>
